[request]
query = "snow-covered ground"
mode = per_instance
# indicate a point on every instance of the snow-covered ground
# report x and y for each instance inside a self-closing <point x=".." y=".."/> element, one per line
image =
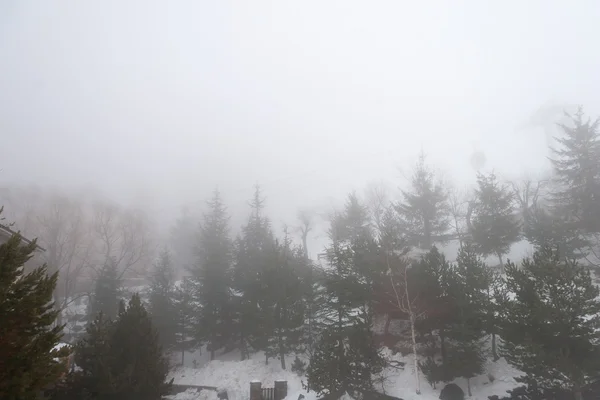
<point x="228" y="372"/>
<point x="235" y="376"/>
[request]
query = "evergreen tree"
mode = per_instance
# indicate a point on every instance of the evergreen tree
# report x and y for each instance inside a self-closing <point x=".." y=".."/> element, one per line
<point x="161" y="300"/>
<point x="494" y="298"/>
<point x="255" y="253"/>
<point x="402" y="291"/>
<point x="28" y="360"/>
<point x="313" y="298"/>
<point x="105" y="298"/>
<point x="424" y="209"/>
<point x="285" y="286"/>
<point x="120" y="360"/>
<point x="346" y="355"/>
<point x="492" y="219"/>
<point x="94" y="379"/>
<point x="550" y="326"/>
<point x="344" y="362"/>
<point x="353" y="234"/>
<point x="211" y="277"/>
<point x="576" y="165"/>
<point x="185" y="318"/>
<point x="139" y="364"/>
<point x="547" y="227"/>
<point x="432" y="277"/>
<point x="468" y="280"/>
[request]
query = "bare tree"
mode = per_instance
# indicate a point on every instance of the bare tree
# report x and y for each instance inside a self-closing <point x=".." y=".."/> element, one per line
<point x="64" y="232"/>
<point x="306" y="219"/>
<point x="377" y="200"/>
<point x="124" y="235"/>
<point x="457" y="206"/>
<point x="407" y="303"/>
<point x="527" y="192"/>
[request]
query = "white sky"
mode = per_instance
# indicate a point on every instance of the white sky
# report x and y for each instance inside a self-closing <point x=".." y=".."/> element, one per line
<point x="158" y="101"/>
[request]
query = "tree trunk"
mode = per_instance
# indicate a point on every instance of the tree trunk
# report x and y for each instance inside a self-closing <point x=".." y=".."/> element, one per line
<point x="494" y="349"/>
<point x="304" y="244"/>
<point x="577" y="391"/>
<point x="443" y="346"/>
<point x="469" y="387"/>
<point x="281" y="348"/>
<point x="414" y="348"/>
<point x="427" y="240"/>
<point x="212" y="354"/>
<point x="501" y="262"/>
<point x="242" y="347"/>
<point x="386" y="329"/>
<point x="182" y="357"/>
<point x="59" y="317"/>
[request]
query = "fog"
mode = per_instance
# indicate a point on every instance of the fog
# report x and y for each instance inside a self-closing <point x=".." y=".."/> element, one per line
<point x="158" y="104"/>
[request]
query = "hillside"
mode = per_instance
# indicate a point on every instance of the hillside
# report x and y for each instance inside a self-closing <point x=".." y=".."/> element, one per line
<point x="235" y="376"/>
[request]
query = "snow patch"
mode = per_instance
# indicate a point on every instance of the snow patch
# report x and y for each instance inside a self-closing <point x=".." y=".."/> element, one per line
<point x="193" y="394"/>
<point x="236" y="376"/>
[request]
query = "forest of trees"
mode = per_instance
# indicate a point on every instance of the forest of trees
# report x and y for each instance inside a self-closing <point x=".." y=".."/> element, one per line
<point x="259" y="292"/>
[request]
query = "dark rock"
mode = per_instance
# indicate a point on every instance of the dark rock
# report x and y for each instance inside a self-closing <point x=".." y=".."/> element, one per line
<point x="452" y="392"/>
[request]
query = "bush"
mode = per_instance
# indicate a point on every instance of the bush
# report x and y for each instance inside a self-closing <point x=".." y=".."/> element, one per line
<point x="452" y="392"/>
<point x="432" y="371"/>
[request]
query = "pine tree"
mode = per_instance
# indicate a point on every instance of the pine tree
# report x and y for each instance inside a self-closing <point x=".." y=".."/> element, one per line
<point x="468" y="285"/>
<point x="105" y="298"/>
<point x="254" y="256"/>
<point x="313" y="298"/>
<point x="94" y="379"/>
<point x="28" y="361"/>
<point x="138" y="362"/>
<point x="494" y="298"/>
<point x="432" y="280"/>
<point x="186" y="322"/>
<point x="120" y="359"/>
<point x="211" y="277"/>
<point x="424" y="209"/>
<point x="346" y="356"/>
<point x="285" y="286"/>
<point x="404" y="294"/>
<point x="161" y="300"/>
<point x="352" y="232"/>
<point x="576" y="165"/>
<point x="344" y="361"/>
<point x="547" y="227"/>
<point x="327" y="372"/>
<point x="492" y="219"/>
<point x="550" y="325"/>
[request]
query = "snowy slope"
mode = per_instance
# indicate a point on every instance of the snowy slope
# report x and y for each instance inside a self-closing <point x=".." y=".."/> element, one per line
<point x="235" y="377"/>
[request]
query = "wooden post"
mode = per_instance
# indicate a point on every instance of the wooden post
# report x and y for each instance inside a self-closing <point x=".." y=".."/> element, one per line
<point x="255" y="390"/>
<point x="280" y="390"/>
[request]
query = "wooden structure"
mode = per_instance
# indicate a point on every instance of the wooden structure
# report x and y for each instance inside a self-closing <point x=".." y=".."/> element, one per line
<point x="278" y="392"/>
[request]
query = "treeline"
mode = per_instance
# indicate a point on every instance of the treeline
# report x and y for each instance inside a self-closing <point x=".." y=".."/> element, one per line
<point x="258" y="292"/>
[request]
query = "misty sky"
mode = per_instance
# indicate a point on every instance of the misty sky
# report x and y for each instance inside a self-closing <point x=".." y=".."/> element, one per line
<point x="158" y="102"/>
